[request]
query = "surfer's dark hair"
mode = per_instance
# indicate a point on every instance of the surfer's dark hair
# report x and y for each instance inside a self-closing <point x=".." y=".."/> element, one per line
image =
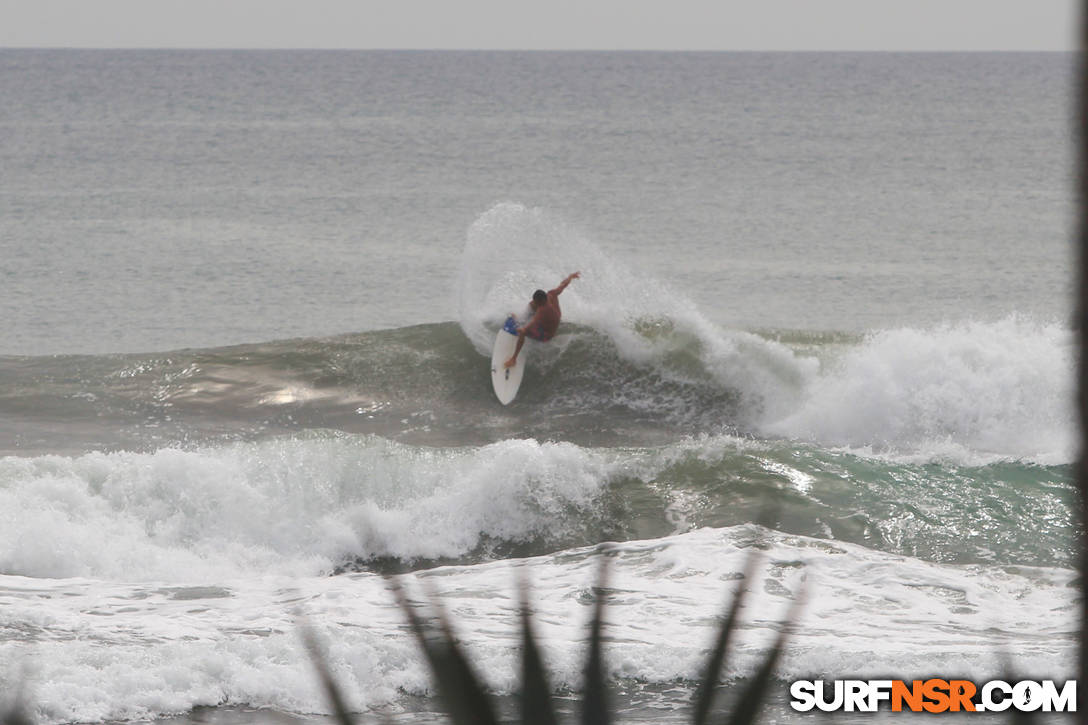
<point x="540" y="296"/>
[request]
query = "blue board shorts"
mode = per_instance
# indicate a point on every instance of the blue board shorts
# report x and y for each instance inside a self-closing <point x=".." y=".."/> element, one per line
<point x="511" y="326"/>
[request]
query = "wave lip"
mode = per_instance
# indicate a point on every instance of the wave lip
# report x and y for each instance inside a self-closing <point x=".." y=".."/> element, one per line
<point x="322" y="502"/>
<point x="972" y="392"/>
<point x="288" y="506"/>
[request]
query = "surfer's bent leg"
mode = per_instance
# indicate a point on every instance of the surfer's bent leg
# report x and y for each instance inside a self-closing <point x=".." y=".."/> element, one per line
<point x="514" y="360"/>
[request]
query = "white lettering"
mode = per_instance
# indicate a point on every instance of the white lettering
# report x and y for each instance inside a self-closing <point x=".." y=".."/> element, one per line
<point x="1064" y="701"/>
<point x="1027" y="696"/>
<point x="989" y="703"/>
<point x="856" y="696"/>
<point x="821" y="699"/>
<point x="879" y="690"/>
<point x="804" y="695"/>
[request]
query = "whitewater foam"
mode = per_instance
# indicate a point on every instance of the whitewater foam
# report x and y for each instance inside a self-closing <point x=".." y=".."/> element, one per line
<point x="649" y="323"/>
<point x="318" y="502"/>
<point x="867" y="613"/>
<point x="286" y="506"/>
<point x="966" y="392"/>
<point x="970" y="392"/>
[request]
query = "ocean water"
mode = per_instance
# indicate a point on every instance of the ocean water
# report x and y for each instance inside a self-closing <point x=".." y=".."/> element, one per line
<point x="248" y="304"/>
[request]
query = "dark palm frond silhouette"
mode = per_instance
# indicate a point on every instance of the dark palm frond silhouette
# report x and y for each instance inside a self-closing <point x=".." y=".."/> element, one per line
<point x="333" y="693"/>
<point x="15" y="714"/>
<point x="466" y="700"/>
<point x="537" y="707"/>
<point x="456" y="681"/>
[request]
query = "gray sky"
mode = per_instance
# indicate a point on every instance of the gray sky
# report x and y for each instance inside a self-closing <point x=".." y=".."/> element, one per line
<point x="544" y="24"/>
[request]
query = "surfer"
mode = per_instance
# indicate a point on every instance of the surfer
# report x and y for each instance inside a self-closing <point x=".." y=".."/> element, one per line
<point x="546" y="316"/>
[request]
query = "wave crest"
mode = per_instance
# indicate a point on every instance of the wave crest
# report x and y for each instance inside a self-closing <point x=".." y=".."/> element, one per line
<point x="971" y="391"/>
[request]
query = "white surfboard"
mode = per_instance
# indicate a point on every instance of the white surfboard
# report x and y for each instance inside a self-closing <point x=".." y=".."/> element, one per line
<point x="506" y="381"/>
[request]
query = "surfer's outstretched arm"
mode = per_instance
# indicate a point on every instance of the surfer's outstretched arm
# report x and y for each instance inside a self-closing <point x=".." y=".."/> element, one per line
<point x="563" y="285"/>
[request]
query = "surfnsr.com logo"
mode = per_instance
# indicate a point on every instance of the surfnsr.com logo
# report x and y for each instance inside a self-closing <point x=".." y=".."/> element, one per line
<point x="933" y="695"/>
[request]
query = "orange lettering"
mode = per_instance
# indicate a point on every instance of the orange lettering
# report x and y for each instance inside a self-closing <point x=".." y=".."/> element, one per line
<point x="936" y="691"/>
<point x="912" y="695"/>
<point x="961" y="693"/>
